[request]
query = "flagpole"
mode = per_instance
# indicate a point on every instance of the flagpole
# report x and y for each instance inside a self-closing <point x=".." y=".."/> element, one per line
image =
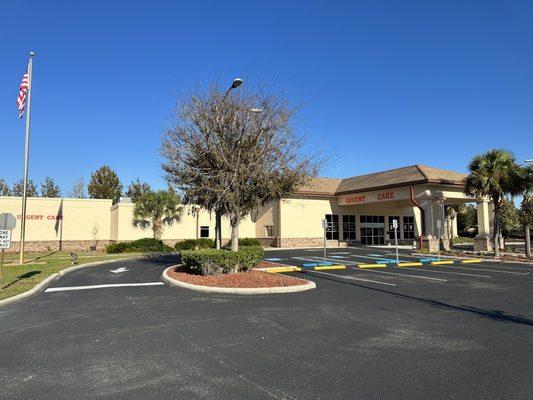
<point x="26" y="162"/>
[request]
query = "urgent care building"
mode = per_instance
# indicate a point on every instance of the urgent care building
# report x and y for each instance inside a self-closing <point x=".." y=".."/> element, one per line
<point x="359" y="211"/>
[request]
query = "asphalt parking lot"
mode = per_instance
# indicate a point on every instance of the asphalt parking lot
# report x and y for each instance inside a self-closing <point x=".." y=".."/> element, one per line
<point x="432" y="332"/>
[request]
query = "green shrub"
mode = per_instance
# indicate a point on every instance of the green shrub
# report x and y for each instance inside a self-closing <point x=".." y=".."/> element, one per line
<point x="245" y="242"/>
<point x="191" y="244"/>
<point x="141" y="245"/>
<point x="216" y="262"/>
<point x="462" y="239"/>
<point x="119" y="247"/>
<point x="249" y="242"/>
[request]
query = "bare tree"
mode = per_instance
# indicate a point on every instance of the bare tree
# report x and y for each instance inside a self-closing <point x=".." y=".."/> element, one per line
<point x="236" y="155"/>
<point x="78" y="189"/>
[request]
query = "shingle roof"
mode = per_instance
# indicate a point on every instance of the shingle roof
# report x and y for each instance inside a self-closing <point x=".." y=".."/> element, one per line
<point x="413" y="174"/>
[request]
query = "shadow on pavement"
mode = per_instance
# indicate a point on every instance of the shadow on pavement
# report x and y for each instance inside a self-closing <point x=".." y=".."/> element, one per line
<point x="496" y="315"/>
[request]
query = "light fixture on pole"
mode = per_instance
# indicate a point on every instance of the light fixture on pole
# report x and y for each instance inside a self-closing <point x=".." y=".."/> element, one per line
<point x="236" y="83"/>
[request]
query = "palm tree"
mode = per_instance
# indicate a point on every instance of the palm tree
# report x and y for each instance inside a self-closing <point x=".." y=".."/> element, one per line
<point x="157" y="209"/>
<point x="525" y="186"/>
<point x="493" y="174"/>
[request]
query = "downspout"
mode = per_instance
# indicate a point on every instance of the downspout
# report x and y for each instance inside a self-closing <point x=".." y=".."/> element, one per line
<point x="422" y="215"/>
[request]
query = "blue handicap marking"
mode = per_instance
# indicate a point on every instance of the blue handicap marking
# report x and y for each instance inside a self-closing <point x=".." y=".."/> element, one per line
<point x="430" y="259"/>
<point x="316" y="264"/>
<point x="337" y="257"/>
<point x="388" y="261"/>
<point x="272" y="259"/>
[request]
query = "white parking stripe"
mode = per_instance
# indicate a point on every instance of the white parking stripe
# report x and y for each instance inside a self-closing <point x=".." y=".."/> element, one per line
<point x="353" y="278"/>
<point x="487" y="270"/>
<point x="110" y="285"/>
<point x="453" y="273"/>
<point x="404" y="275"/>
<point x="318" y="259"/>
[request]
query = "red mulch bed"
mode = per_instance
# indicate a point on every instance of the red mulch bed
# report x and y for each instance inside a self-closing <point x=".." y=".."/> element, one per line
<point x="251" y="279"/>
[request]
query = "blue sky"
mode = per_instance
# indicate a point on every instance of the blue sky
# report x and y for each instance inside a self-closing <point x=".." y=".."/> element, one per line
<point x="382" y="84"/>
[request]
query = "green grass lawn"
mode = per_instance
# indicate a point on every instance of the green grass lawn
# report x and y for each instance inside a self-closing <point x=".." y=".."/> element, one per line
<point x="19" y="278"/>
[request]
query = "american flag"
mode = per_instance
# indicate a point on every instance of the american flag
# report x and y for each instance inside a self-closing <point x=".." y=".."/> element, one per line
<point x="23" y="92"/>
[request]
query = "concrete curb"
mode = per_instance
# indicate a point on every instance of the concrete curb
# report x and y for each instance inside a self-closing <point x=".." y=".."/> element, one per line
<point x="45" y="283"/>
<point x="245" y="291"/>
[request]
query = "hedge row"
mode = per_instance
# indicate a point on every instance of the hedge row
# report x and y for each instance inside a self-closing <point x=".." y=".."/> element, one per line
<point x="192" y="244"/>
<point x="140" y="245"/>
<point x="216" y="262"/>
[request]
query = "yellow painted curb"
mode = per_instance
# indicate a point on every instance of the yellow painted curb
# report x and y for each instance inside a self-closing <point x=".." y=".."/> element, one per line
<point x="471" y="261"/>
<point x="372" y="266"/>
<point x="444" y="262"/>
<point x="329" y="267"/>
<point x="277" y="270"/>
<point x="410" y="264"/>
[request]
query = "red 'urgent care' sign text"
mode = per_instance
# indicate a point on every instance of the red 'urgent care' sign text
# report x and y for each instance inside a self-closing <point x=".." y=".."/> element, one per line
<point x="386" y="196"/>
<point x="355" y="199"/>
<point x="40" y="217"/>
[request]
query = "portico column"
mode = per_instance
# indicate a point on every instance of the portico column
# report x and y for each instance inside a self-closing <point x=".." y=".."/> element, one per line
<point x="483" y="242"/>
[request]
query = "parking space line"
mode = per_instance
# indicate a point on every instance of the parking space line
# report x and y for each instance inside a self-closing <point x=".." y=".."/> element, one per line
<point x="405" y="275"/>
<point x="354" y="278"/>
<point x="319" y="259"/>
<point x="110" y="285"/>
<point x="488" y="270"/>
<point x="433" y="271"/>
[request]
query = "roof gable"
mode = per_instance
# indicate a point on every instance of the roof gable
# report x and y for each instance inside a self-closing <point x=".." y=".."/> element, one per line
<point x="410" y="175"/>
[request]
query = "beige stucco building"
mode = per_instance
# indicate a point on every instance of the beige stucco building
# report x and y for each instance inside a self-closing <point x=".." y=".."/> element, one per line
<point x="358" y="210"/>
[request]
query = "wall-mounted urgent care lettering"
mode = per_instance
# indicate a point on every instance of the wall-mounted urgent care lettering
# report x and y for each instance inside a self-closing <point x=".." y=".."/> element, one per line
<point x="41" y="217"/>
<point x="377" y="196"/>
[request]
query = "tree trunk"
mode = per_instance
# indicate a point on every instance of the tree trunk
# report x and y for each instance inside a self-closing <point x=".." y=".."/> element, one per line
<point x="528" y="242"/>
<point x="496" y="234"/>
<point x="218" y="229"/>
<point x="157" y="228"/>
<point x="235" y="234"/>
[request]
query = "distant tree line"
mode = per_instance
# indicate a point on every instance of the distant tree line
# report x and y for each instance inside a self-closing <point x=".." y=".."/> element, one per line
<point x="104" y="184"/>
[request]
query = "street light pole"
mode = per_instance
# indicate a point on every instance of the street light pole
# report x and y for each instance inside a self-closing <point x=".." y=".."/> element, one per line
<point x="218" y="216"/>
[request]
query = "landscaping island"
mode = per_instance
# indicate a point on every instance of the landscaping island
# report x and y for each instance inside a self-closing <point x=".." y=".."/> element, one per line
<point x="251" y="282"/>
<point x="206" y="269"/>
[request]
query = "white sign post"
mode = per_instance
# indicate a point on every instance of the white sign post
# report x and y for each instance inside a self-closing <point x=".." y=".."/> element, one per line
<point x="325" y="227"/>
<point x="7" y="224"/>
<point x="395" y="226"/>
<point x="5" y="243"/>
<point x="438" y="233"/>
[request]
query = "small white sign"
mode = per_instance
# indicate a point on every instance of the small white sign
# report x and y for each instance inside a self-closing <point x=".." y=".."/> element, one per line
<point x="395" y="223"/>
<point x="324" y="224"/>
<point x="5" y="239"/>
<point x="438" y="224"/>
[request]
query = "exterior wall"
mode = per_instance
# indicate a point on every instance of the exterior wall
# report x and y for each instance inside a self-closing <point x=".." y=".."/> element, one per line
<point x="78" y="224"/>
<point x="60" y="223"/>
<point x="186" y="228"/>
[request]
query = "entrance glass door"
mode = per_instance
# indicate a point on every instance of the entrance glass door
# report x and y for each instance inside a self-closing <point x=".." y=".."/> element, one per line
<point x="372" y="230"/>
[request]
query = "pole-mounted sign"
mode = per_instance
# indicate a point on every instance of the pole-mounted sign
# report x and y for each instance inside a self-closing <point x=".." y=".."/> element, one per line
<point x="7" y="224"/>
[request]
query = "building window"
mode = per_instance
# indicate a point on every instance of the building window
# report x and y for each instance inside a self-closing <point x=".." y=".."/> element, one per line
<point x="269" y="231"/>
<point x="332" y="227"/>
<point x="408" y="227"/>
<point x="348" y="227"/>
<point x="204" y="231"/>
<point x="391" y="227"/>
